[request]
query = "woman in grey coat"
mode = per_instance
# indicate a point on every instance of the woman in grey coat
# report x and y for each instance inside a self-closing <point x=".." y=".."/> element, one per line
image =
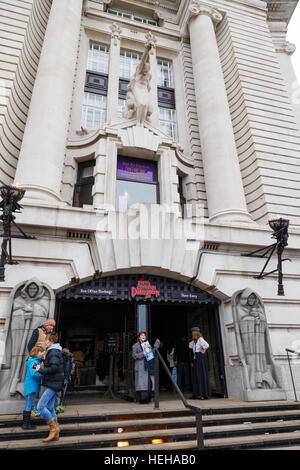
<point x="143" y="370"/>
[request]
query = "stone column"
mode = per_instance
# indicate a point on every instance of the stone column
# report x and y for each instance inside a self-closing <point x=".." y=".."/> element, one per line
<point x="225" y="193"/>
<point x="39" y="169"/>
<point x="114" y="72"/>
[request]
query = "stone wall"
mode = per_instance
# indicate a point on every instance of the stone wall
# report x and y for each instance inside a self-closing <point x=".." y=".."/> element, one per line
<point x="22" y="30"/>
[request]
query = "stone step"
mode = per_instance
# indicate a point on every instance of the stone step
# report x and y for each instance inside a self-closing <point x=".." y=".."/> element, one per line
<point x="218" y="433"/>
<point x="139" y="441"/>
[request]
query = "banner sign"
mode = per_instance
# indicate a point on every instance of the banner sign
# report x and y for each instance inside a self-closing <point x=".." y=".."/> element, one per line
<point x="144" y="289"/>
<point x="135" y="170"/>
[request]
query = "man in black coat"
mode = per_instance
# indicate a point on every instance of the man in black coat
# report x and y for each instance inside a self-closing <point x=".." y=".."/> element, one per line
<point x="53" y="377"/>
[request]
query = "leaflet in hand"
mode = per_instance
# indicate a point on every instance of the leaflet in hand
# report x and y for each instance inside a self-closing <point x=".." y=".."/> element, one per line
<point x="147" y="350"/>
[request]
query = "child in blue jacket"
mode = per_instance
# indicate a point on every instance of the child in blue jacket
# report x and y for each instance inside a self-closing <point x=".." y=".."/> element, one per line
<point x="32" y="384"/>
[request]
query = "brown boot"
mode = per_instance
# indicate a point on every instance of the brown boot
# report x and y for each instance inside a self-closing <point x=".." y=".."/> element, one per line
<point x="53" y="431"/>
<point x="57" y="432"/>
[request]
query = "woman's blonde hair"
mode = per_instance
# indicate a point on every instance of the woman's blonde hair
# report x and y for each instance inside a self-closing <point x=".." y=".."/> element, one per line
<point x="35" y="350"/>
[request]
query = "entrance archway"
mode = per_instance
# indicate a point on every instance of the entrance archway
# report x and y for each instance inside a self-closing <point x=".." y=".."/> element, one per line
<point x="120" y="306"/>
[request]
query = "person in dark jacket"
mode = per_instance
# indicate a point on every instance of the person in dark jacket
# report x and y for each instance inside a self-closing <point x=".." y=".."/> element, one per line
<point x="53" y="377"/>
<point x="182" y="359"/>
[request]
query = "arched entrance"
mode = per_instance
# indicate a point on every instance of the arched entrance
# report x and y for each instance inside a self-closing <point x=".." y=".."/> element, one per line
<point x="120" y="306"/>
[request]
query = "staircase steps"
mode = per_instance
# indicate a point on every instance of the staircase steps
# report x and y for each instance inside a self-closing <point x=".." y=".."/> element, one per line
<point x="241" y="427"/>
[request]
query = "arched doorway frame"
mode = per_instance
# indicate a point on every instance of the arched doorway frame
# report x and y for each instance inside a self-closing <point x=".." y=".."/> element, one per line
<point x="144" y="290"/>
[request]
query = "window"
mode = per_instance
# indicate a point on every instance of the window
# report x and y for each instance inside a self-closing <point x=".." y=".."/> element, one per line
<point x="182" y="199"/>
<point x="128" y="63"/>
<point x="93" y="110"/>
<point x="98" y="58"/>
<point x="166" y="98"/>
<point x="165" y="74"/>
<point x="167" y="119"/>
<point x="96" y="86"/>
<point x="136" y="183"/>
<point x="132" y="16"/>
<point x="121" y="104"/>
<point x="85" y="181"/>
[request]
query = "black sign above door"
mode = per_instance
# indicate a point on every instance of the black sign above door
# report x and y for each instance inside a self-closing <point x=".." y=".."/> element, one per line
<point x="138" y="288"/>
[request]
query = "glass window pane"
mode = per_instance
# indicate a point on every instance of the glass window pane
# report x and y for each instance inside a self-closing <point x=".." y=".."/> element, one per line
<point x="167" y="119"/>
<point x="131" y="193"/>
<point x="87" y="172"/>
<point x="128" y="63"/>
<point x="165" y="73"/>
<point x="121" y="104"/>
<point x="98" y="58"/>
<point x="93" y="110"/>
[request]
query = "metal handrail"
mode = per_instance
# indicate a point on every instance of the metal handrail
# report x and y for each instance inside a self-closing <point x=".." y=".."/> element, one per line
<point x="195" y="409"/>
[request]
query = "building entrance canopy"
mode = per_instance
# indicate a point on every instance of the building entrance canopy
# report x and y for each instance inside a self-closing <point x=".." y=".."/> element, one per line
<point x="137" y="287"/>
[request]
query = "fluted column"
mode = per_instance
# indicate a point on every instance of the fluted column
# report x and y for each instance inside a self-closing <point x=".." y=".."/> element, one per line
<point x="39" y="169"/>
<point x="114" y="73"/>
<point x="225" y="193"/>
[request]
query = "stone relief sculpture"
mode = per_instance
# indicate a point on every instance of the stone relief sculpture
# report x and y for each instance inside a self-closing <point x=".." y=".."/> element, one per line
<point x="29" y="307"/>
<point x="138" y="101"/>
<point x="253" y="341"/>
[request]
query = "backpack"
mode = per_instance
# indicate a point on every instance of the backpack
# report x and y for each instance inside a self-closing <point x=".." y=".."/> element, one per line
<point x="67" y="361"/>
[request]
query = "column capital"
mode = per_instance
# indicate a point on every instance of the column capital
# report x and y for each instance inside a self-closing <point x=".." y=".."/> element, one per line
<point x="287" y="47"/>
<point x="115" y="33"/>
<point x="197" y="7"/>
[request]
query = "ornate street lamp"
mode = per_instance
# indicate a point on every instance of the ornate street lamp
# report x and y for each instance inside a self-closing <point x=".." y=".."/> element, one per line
<point x="11" y="195"/>
<point x="280" y="233"/>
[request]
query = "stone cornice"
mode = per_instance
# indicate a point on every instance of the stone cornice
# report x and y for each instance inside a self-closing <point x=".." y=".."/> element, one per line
<point x="281" y="10"/>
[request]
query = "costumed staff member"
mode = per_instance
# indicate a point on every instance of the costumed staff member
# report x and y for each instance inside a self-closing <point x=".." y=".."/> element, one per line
<point x="143" y="369"/>
<point x="38" y="337"/>
<point x="201" y="385"/>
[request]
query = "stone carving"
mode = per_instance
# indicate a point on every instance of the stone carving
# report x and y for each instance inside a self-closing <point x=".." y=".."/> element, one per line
<point x="29" y="307"/>
<point x="253" y="342"/>
<point x="151" y="41"/>
<point x="138" y="98"/>
<point x="196" y="8"/>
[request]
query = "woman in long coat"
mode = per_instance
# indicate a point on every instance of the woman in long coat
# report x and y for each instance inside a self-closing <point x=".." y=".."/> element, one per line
<point x="143" y="370"/>
<point x="201" y="385"/>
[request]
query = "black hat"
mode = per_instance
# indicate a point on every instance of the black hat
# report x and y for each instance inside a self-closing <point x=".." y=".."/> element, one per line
<point x="195" y="328"/>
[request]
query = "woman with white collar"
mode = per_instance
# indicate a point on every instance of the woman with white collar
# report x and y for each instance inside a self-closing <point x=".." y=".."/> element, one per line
<point x="201" y="385"/>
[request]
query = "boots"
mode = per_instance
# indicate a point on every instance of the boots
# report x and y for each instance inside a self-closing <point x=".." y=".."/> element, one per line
<point x="57" y="432"/>
<point x="54" y="432"/>
<point x="26" y="421"/>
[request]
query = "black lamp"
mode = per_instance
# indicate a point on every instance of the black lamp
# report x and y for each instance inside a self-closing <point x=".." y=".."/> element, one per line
<point x="11" y="195"/>
<point x="280" y="232"/>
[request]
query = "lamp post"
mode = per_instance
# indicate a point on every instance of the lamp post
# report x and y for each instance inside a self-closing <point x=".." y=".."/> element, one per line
<point x="280" y="233"/>
<point x="11" y="195"/>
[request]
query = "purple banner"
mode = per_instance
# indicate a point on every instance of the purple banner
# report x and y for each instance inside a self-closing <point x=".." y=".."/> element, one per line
<point x="137" y="171"/>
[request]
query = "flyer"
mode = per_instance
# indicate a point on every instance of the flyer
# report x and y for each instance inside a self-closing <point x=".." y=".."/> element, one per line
<point x="147" y="350"/>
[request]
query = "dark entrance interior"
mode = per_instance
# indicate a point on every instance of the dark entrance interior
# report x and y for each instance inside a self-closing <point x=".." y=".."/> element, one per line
<point x="112" y="310"/>
<point x="170" y="322"/>
<point x="84" y="328"/>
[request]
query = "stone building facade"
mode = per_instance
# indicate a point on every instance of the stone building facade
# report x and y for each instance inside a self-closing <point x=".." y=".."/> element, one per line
<point x="221" y="152"/>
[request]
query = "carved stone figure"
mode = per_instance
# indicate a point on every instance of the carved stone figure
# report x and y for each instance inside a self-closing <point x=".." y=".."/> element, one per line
<point x="29" y="306"/>
<point x="138" y="99"/>
<point x="253" y="341"/>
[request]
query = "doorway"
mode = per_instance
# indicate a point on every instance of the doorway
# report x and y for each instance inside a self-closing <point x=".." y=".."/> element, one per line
<point x="170" y="323"/>
<point x="118" y="307"/>
<point x="93" y="332"/>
